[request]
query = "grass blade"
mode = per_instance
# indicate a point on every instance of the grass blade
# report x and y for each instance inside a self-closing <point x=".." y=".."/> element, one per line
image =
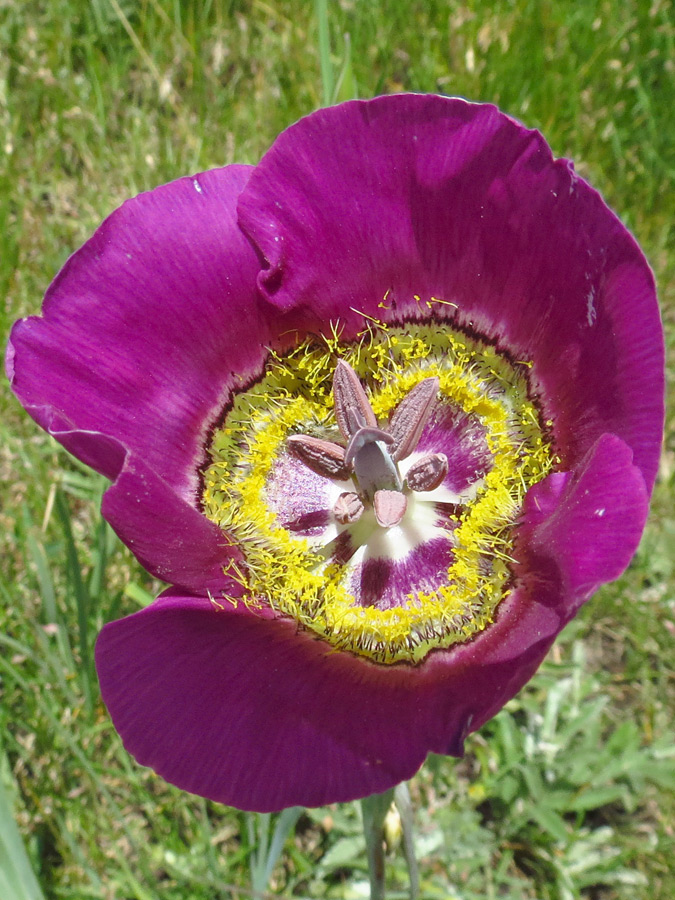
<point x="17" y="879"/>
<point x="80" y="592"/>
<point x="321" y="8"/>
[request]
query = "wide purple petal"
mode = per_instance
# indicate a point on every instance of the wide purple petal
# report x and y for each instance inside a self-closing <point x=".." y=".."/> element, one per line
<point x="247" y="711"/>
<point x="146" y="329"/>
<point x="244" y="709"/>
<point x="365" y="205"/>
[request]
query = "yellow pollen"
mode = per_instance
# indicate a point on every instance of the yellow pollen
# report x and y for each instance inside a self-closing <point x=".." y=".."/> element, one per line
<point x="292" y="574"/>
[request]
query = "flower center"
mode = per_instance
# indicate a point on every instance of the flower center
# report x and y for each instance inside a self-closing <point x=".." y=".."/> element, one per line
<point x="373" y="486"/>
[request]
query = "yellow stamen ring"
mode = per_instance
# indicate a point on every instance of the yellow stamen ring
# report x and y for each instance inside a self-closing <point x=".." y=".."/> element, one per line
<point x="288" y="572"/>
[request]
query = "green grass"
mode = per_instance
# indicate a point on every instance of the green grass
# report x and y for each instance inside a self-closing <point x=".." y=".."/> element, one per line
<point x="569" y="792"/>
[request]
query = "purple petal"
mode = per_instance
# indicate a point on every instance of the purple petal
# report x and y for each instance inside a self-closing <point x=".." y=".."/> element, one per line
<point x="169" y="537"/>
<point x="247" y="711"/>
<point x="146" y="328"/>
<point x="461" y="438"/>
<point x="301" y="499"/>
<point x="583" y="528"/>
<point x="579" y="530"/>
<point x="436" y="197"/>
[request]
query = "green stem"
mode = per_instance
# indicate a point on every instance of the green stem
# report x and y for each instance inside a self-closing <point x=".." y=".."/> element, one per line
<point x="374" y="809"/>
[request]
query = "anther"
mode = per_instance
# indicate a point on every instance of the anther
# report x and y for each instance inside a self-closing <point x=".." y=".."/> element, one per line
<point x="410" y="417"/>
<point x="428" y="472"/>
<point x="348" y="508"/>
<point x="372" y="453"/>
<point x="352" y="407"/>
<point x="389" y="507"/>
<point x="323" y="457"/>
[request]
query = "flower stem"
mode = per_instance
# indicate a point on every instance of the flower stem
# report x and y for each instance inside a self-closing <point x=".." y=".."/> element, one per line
<point x="374" y="809"/>
<point x="377" y="828"/>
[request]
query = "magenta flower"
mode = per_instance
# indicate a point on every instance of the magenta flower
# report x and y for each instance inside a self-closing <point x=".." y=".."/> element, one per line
<point x="384" y="410"/>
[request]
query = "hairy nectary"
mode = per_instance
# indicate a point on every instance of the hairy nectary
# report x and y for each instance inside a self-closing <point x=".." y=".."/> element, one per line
<point x="353" y="518"/>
